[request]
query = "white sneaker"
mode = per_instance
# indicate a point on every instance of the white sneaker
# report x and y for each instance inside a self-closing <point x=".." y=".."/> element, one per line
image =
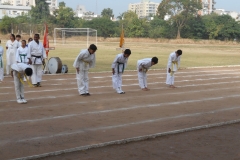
<point x="24" y="101"/>
<point x="19" y="101"/>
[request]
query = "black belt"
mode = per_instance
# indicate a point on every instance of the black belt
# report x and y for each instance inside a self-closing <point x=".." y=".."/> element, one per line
<point x="36" y="58"/>
<point x="123" y="66"/>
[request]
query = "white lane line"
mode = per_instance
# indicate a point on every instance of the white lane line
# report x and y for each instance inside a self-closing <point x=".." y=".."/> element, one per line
<point x="119" y="109"/>
<point x="128" y="140"/>
<point x="3" y="93"/>
<point x="179" y="72"/>
<point x="127" y="124"/>
<point x="108" y="80"/>
<point x="53" y="97"/>
<point x="133" y="84"/>
<point x="119" y="98"/>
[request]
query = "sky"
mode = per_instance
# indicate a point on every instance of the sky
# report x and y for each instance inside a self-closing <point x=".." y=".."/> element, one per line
<point x="120" y="6"/>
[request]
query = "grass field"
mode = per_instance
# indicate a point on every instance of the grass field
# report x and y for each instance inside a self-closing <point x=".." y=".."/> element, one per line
<point x="194" y="55"/>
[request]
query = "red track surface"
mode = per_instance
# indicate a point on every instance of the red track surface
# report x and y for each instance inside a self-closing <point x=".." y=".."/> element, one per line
<point x="57" y="118"/>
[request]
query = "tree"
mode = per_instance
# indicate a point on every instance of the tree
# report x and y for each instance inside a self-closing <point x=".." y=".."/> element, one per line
<point x="195" y="28"/>
<point x="160" y="28"/>
<point x="40" y="13"/>
<point x="179" y="10"/>
<point x="65" y="16"/>
<point x="6" y="24"/>
<point x="107" y="12"/>
<point x="104" y="26"/>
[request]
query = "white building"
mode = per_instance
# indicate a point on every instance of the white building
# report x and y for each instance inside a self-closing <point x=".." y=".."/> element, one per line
<point x="18" y="2"/>
<point x="208" y="7"/>
<point x="234" y="15"/>
<point x="13" y="11"/>
<point x="53" y="5"/>
<point x="13" y="8"/>
<point x="144" y="9"/>
<point x="81" y="12"/>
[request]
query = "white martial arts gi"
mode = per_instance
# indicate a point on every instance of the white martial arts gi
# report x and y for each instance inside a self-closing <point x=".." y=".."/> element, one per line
<point x="119" y="65"/>
<point x="11" y="53"/>
<point x="143" y="64"/>
<point x="173" y="64"/>
<point x="1" y="64"/>
<point x="84" y="61"/>
<point x="18" y="72"/>
<point x="37" y="54"/>
<point x="21" y="55"/>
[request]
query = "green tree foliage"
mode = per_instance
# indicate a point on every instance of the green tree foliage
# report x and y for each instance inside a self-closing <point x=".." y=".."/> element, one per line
<point x="179" y="10"/>
<point x="7" y="24"/>
<point x="195" y="28"/>
<point x="40" y="13"/>
<point x="107" y="12"/>
<point x="104" y="26"/>
<point x="65" y="16"/>
<point x="160" y="28"/>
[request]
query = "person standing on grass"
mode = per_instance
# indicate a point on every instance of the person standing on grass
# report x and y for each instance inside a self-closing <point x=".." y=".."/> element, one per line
<point x="36" y="56"/>
<point x="1" y="63"/>
<point x="142" y="67"/>
<point x="118" y="66"/>
<point x="84" y="61"/>
<point x="172" y="67"/>
<point x="11" y="47"/>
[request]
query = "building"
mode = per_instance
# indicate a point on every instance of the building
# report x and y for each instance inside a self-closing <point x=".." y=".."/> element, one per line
<point x="53" y="5"/>
<point x="13" y="11"/>
<point x="81" y="12"/>
<point x="13" y="8"/>
<point x="18" y="2"/>
<point x="144" y="9"/>
<point x="208" y="7"/>
<point x="234" y="15"/>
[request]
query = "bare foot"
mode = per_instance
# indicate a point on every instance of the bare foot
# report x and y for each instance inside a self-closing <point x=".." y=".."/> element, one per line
<point x="145" y="89"/>
<point x="172" y="86"/>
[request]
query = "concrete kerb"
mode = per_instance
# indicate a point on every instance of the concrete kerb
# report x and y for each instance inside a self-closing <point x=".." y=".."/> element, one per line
<point x="129" y="140"/>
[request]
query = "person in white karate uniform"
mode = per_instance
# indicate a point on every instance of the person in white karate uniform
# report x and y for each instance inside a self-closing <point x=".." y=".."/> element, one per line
<point x="36" y="56"/>
<point x="118" y="66"/>
<point x="12" y="45"/>
<point x="19" y="70"/>
<point x="18" y="38"/>
<point x="142" y="67"/>
<point x="21" y="55"/>
<point x="84" y="61"/>
<point x="1" y="63"/>
<point x="172" y="67"/>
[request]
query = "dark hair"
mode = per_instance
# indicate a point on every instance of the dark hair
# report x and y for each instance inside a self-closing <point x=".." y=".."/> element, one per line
<point x="37" y="35"/>
<point x="13" y="36"/>
<point x="28" y="71"/>
<point x="155" y="60"/>
<point x="24" y="41"/>
<point x="127" y="51"/>
<point x="30" y="39"/>
<point x="93" y="47"/>
<point x="18" y="36"/>
<point x="0" y="41"/>
<point x="179" y="52"/>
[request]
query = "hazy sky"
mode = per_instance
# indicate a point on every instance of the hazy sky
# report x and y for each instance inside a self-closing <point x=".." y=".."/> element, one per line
<point x="119" y="6"/>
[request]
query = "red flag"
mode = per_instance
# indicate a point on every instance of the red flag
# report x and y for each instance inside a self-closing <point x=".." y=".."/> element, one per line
<point x="45" y="40"/>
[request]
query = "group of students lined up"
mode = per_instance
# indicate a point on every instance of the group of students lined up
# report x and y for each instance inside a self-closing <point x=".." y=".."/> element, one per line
<point x="86" y="60"/>
<point x="28" y="60"/>
<point x="23" y="60"/>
